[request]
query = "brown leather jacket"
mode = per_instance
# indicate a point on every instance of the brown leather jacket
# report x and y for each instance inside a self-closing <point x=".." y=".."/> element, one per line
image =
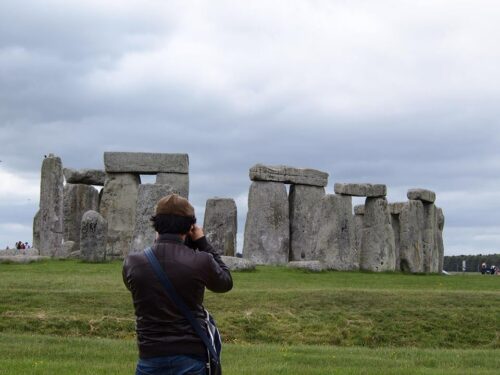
<point x="161" y="329"/>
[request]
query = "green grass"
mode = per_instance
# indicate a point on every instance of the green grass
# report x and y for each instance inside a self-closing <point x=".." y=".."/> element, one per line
<point x="275" y="321"/>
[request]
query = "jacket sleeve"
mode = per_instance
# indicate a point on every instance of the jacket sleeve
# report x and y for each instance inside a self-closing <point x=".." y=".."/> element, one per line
<point x="124" y="274"/>
<point x="218" y="276"/>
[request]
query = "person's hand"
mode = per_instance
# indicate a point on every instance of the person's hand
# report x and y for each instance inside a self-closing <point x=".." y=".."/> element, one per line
<point x="196" y="232"/>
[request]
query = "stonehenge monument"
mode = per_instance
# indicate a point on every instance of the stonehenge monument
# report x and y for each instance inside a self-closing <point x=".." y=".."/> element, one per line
<point x="302" y="227"/>
<point x="221" y="225"/>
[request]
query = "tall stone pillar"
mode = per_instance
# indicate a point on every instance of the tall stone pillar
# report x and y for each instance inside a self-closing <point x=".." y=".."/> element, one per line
<point x="51" y="207"/>
<point x="378" y="251"/>
<point x="118" y="208"/>
<point x="36" y="230"/>
<point x="359" y="213"/>
<point x="335" y="237"/>
<point x="267" y="228"/>
<point x="395" y="210"/>
<point x="439" y="239"/>
<point x="411" y="248"/>
<point x="148" y="197"/>
<point x="304" y="201"/>
<point x="221" y="225"/>
<point x="78" y="199"/>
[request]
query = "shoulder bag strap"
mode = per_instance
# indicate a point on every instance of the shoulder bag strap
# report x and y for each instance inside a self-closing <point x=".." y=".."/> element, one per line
<point x="176" y="299"/>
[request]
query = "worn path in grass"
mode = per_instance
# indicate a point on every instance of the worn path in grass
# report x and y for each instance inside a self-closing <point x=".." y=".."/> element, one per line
<point x="269" y="306"/>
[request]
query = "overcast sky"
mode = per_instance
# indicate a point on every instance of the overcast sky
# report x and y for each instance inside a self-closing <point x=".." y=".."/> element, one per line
<point x="404" y="93"/>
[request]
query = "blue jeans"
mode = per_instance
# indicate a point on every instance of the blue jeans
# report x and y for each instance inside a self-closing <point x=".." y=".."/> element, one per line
<point x="171" y="365"/>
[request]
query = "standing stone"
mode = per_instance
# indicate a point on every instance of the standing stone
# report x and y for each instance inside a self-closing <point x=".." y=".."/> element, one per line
<point x="148" y="197"/>
<point x="304" y="202"/>
<point x="378" y="252"/>
<point x="439" y="239"/>
<point x="335" y="236"/>
<point x="267" y="228"/>
<point x="395" y="210"/>
<point x="220" y="225"/>
<point x="51" y="207"/>
<point x="411" y="243"/>
<point x="430" y="229"/>
<point x="118" y="207"/>
<point x="78" y="199"/>
<point x="179" y="182"/>
<point x="36" y="230"/>
<point x="93" y="235"/>
<point x="358" y="233"/>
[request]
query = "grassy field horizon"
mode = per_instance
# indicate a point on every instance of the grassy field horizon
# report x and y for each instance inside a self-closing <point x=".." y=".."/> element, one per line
<point x="55" y="314"/>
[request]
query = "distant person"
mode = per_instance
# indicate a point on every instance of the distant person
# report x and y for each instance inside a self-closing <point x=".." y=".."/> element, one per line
<point x="493" y="270"/>
<point x="483" y="268"/>
<point x="167" y="342"/>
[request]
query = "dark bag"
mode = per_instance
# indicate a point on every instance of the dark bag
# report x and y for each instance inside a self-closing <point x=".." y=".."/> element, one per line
<point x="210" y="335"/>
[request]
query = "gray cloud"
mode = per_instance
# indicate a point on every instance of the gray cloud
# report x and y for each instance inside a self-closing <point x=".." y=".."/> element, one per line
<point x="390" y="92"/>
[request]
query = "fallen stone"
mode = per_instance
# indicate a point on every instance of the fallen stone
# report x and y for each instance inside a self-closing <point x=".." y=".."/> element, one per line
<point x="423" y="195"/>
<point x="145" y="163"/>
<point x="179" y="182"/>
<point x="148" y="197"/>
<point x="17" y="252"/>
<point x="68" y="248"/>
<point x="378" y="252"/>
<point x="51" y="207"/>
<point x="411" y="242"/>
<point x="95" y="177"/>
<point x="36" y="230"/>
<point x="335" y="233"/>
<point x="359" y="209"/>
<point x="118" y="207"/>
<point x="75" y="254"/>
<point x="361" y="190"/>
<point x="22" y="258"/>
<point x="238" y="264"/>
<point x="78" y="199"/>
<point x="94" y="229"/>
<point x="308" y="265"/>
<point x="221" y="225"/>
<point x="267" y="228"/>
<point x="288" y="175"/>
<point x="304" y="202"/>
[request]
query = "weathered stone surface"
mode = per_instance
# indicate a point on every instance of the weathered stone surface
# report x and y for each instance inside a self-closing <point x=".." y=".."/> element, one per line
<point x="430" y="229"/>
<point x="145" y="162"/>
<point x="221" y="225"/>
<point x="378" y="252"/>
<point x="359" y="209"/>
<point x="68" y="248"/>
<point x="148" y="197"/>
<point x="16" y="252"/>
<point x="422" y="195"/>
<point x="22" y="258"/>
<point x="36" y="230"/>
<point x="267" y="228"/>
<point x="118" y="207"/>
<point x="396" y="229"/>
<point x="308" y="265"/>
<point x="238" y="264"/>
<point x="74" y="255"/>
<point x="411" y="242"/>
<point x="304" y="202"/>
<point x="179" y="182"/>
<point x="439" y="238"/>
<point x="358" y="233"/>
<point x="85" y="176"/>
<point x="396" y="207"/>
<point x="78" y="199"/>
<point x="51" y="207"/>
<point x="94" y="229"/>
<point x="288" y="175"/>
<point x="335" y="233"/>
<point x="361" y="190"/>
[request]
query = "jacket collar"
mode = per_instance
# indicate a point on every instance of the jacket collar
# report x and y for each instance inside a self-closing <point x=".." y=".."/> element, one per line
<point x="169" y="238"/>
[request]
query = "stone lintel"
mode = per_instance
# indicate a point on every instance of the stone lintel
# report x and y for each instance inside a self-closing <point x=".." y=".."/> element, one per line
<point x="288" y="175"/>
<point x="145" y="162"/>
<point x="424" y="195"/>
<point x="361" y="190"/>
<point x="84" y="176"/>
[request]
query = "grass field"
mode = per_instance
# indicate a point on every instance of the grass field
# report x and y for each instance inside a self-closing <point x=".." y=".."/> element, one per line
<point x="66" y="317"/>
